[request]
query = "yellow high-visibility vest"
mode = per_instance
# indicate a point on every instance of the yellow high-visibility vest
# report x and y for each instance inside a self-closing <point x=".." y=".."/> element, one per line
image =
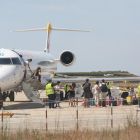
<point x="66" y="88"/>
<point x="108" y="85"/>
<point x="49" y="89"/>
<point x="138" y="91"/>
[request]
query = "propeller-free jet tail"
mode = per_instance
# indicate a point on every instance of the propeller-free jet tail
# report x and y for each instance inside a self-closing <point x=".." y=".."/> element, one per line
<point x="49" y="29"/>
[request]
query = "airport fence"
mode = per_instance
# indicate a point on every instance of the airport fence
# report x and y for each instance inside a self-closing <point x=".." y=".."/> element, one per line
<point x="30" y="115"/>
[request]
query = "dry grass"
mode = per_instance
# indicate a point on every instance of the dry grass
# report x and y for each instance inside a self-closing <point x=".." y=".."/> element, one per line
<point x="130" y="131"/>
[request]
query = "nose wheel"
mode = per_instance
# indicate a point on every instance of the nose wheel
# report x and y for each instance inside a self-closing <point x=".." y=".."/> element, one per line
<point x="7" y="94"/>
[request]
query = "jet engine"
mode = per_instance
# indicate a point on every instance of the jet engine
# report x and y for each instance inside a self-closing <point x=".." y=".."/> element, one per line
<point x="67" y="58"/>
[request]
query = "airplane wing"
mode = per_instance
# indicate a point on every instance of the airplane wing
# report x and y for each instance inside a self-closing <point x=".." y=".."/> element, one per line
<point x="80" y="80"/>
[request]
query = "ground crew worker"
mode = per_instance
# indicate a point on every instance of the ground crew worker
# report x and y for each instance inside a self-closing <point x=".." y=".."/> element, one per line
<point x="108" y="87"/>
<point x="50" y="93"/>
<point x="139" y="94"/>
<point x="66" y="89"/>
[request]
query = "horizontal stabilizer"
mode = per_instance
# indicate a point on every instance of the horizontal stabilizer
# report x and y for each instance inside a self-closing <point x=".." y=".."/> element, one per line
<point x="69" y="30"/>
<point x="42" y="29"/>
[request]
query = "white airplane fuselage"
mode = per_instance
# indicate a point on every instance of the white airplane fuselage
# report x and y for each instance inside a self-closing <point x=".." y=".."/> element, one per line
<point x="12" y="71"/>
<point x="11" y="75"/>
<point x="40" y="59"/>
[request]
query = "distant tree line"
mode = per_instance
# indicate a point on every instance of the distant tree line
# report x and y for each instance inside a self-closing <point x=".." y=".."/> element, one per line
<point x="98" y="73"/>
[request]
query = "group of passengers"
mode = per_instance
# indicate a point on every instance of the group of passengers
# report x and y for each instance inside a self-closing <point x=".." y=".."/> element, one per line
<point x="100" y="91"/>
<point x="53" y="91"/>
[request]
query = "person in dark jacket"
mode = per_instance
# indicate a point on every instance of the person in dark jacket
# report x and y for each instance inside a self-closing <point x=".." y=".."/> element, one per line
<point x="87" y="90"/>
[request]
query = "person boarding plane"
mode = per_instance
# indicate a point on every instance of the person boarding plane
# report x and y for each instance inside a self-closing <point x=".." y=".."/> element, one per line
<point x="13" y="67"/>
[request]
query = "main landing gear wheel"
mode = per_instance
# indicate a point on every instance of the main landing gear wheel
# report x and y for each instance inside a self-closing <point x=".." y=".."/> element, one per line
<point x="11" y="96"/>
<point x="0" y="96"/>
<point x="4" y="96"/>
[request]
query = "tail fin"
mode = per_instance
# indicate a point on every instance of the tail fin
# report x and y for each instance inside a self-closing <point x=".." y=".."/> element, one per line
<point x="49" y="29"/>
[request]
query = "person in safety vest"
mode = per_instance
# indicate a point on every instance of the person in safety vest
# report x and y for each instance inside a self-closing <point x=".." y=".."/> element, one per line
<point x="50" y="93"/>
<point x="139" y="91"/>
<point x="108" y="87"/>
<point x="66" y="89"/>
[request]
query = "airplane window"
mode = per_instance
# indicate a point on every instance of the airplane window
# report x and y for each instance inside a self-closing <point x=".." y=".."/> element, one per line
<point x="5" y="61"/>
<point x="16" y="61"/>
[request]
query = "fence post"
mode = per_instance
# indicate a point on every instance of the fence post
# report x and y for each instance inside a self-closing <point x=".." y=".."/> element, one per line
<point x="77" y="111"/>
<point x="111" y="114"/>
<point x="46" y="113"/>
<point x="2" y="115"/>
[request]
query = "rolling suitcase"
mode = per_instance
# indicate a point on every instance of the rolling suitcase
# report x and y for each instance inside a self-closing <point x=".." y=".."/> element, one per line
<point x="135" y="101"/>
<point x="103" y="103"/>
<point x="107" y="102"/>
<point x="61" y="96"/>
<point x="118" y="102"/>
<point x="124" y="102"/>
<point x="92" y="101"/>
<point x="114" y="103"/>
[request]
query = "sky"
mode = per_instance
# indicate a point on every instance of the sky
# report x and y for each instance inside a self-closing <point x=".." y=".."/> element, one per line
<point x="114" y="43"/>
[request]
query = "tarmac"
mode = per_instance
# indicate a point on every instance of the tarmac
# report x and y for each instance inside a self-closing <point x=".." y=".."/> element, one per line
<point x="64" y="118"/>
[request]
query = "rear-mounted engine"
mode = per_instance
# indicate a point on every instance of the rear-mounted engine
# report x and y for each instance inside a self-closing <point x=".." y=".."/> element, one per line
<point x="67" y="58"/>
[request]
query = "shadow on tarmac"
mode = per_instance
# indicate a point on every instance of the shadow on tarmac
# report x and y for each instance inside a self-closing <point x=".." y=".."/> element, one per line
<point x="23" y="105"/>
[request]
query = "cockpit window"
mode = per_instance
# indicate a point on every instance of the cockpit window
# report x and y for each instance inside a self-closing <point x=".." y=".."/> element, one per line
<point x="16" y="61"/>
<point x="5" y="61"/>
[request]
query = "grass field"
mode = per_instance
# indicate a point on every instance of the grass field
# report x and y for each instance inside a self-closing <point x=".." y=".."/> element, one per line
<point x="130" y="131"/>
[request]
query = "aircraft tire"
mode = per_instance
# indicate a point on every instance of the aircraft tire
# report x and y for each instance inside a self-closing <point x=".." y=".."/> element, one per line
<point x="4" y="96"/>
<point x="11" y="96"/>
<point x="0" y="96"/>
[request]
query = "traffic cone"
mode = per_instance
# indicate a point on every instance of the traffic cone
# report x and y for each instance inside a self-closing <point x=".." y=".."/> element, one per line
<point x="83" y="103"/>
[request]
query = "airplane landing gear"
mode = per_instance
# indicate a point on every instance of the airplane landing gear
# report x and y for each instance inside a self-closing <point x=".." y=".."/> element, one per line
<point x="11" y="96"/>
<point x="0" y="94"/>
<point x="4" y="96"/>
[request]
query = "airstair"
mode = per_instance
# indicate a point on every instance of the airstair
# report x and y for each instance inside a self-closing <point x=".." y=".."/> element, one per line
<point x="30" y="92"/>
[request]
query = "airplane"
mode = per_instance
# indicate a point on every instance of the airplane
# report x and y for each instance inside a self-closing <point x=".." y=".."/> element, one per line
<point x="108" y="75"/>
<point x="13" y="65"/>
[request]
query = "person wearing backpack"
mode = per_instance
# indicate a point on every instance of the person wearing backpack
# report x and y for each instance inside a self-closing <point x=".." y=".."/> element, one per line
<point x="87" y="89"/>
<point x="104" y="89"/>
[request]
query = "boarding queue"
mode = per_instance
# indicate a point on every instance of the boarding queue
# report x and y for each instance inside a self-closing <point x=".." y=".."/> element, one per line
<point x="55" y="94"/>
<point x="101" y="91"/>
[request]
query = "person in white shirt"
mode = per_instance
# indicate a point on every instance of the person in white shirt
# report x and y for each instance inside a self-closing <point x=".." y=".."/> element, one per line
<point x="97" y="92"/>
<point x="57" y="91"/>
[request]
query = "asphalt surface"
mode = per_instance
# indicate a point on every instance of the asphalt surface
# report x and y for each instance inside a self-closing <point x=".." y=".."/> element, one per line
<point x="64" y="118"/>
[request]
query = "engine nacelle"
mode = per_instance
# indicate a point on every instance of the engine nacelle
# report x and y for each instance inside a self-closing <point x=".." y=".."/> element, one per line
<point x="67" y="58"/>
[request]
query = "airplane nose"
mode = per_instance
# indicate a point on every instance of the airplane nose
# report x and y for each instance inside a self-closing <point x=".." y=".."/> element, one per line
<point x="4" y="78"/>
<point x="10" y="76"/>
